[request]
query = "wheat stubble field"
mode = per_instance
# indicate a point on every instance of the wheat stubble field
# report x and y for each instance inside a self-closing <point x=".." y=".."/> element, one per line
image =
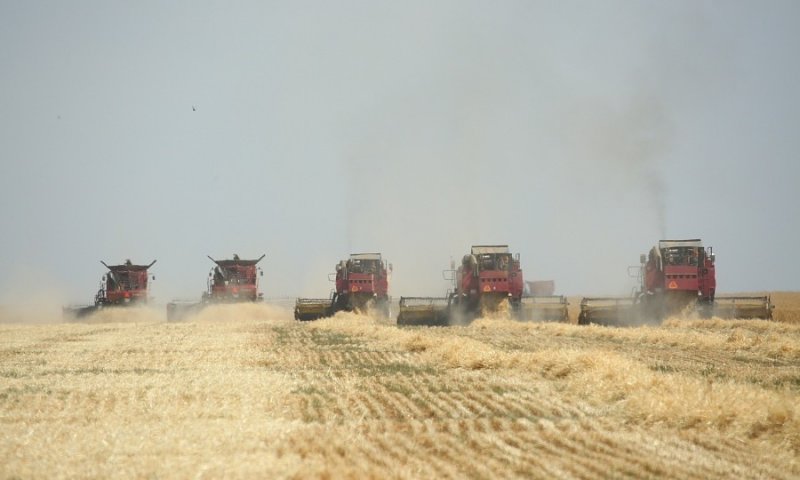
<point x="244" y="391"/>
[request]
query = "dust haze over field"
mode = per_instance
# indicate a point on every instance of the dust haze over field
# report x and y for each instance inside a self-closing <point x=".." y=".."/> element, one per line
<point x="577" y="133"/>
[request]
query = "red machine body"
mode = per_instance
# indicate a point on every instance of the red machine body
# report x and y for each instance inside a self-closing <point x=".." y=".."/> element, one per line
<point x="680" y="268"/>
<point x="234" y="280"/>
<point x="360" y="279"/>
<point x="363" y="273"/>
<point x="123" y="284"/>
<point x="489" y="271"/>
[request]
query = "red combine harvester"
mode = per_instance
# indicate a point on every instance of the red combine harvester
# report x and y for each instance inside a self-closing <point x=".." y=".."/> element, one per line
<point x="123" y="285"/>
<point x="362" y="283"/>
<point x="230" y="281"/>
<point x="675" y="276"/>
<point x="488" y="280"/>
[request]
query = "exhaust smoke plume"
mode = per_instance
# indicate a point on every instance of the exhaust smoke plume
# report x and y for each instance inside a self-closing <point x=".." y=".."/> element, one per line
<point x="487" y="145"/>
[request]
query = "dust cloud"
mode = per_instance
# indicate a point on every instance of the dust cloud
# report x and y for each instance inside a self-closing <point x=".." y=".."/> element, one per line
<point x="255" y="312"/>
<point x="136" y="314"/>
<point x="49" y="313"/>
<point x="32" y="299"/>
<point x="41" y="313"/>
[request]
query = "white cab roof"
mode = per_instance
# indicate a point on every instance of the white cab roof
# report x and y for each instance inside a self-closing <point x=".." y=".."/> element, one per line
<point x="482" y="249"/>
<point x="365" y="256"/>
<point x="680" y="243"/>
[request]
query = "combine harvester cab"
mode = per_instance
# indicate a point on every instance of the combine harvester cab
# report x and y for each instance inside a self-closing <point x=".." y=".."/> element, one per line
<point x="361" y="285"/>
<point x="676" y="277"/>
<point x="489" y="281"/>
<point x="124" y="285"/>
<point x="230" y="281"/>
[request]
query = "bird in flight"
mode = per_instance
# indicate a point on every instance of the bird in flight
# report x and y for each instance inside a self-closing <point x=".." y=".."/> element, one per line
<point x="194" y="109"/>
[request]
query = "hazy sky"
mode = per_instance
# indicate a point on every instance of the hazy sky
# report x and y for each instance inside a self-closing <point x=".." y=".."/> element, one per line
<point x="579" y="133"/>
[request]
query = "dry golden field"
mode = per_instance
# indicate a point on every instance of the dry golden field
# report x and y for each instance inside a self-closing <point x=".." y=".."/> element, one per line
<point x="246" y="392"/>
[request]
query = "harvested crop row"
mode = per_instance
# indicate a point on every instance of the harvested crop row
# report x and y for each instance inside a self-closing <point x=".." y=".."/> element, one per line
<point x="604" y="377"/>
<point x="249" y="392"/>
